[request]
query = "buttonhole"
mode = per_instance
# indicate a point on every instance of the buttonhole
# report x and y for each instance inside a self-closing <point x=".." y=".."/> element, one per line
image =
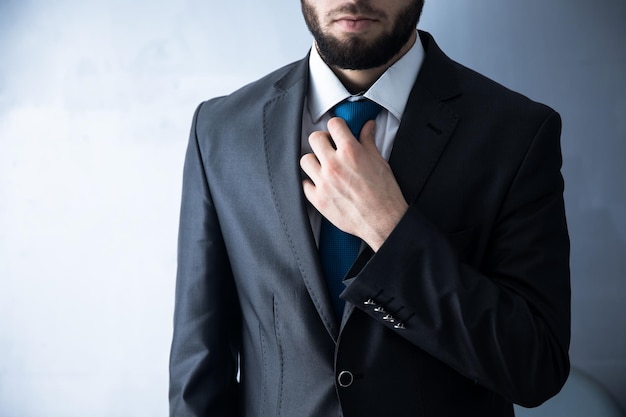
<point x="435" y="129"/>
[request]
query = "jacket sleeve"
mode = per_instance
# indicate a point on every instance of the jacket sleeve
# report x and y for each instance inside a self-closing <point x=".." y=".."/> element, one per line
<point x="504" y="323"/>
<point x="203" y="357"/>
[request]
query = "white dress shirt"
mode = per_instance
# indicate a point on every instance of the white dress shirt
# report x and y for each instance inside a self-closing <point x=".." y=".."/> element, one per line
<point x="391" y="91"/>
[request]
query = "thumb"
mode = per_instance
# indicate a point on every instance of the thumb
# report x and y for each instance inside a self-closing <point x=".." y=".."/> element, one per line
<point x="367" y="137"/>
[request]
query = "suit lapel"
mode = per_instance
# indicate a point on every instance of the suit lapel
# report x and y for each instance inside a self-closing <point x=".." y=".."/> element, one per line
<point x="427" y="123"/>
<point x="282" y="130"/>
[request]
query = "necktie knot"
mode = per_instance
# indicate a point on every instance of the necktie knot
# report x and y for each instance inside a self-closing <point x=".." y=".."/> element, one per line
<point x="356" y="113"/>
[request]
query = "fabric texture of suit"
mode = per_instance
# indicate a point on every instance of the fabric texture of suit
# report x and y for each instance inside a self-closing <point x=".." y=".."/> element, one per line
<point x="477" y="271"/>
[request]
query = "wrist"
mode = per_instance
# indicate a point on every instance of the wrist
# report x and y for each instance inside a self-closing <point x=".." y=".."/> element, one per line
<point x="381" y="229"/>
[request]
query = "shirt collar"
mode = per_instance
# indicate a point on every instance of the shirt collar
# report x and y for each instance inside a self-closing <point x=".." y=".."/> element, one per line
<point x="390" y="91"/>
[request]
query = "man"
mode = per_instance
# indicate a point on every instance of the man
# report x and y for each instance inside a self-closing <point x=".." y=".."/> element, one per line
<point x="458" y="302"/>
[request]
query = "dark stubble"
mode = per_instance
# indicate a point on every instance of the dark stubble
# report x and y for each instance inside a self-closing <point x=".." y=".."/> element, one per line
<point x="355" y="53"/>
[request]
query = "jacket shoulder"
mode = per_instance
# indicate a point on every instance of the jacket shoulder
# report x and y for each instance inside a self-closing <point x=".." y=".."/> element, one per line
<point x="251" y="97"/>
<point x="478" y="85"/>
<point x="468" y="90"/>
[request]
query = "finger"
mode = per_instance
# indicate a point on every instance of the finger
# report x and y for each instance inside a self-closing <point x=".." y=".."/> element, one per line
<point x="310" y="192"/>
<point x="310" y="165"/>
<point x="340" y="132"/>
<point x="367" y="136"/>
<point x="321" y="143"/>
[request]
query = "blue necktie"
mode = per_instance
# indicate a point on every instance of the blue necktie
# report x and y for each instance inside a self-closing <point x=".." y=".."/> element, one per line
<point x="338" y="250"/>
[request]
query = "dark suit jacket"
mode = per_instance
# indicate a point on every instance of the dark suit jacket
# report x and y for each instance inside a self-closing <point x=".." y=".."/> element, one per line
<point x="474" y="281"/>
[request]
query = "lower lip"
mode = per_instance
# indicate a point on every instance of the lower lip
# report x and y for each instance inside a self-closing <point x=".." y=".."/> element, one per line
<point x="355" y="25"/>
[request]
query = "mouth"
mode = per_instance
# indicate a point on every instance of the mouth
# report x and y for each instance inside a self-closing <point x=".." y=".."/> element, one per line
<point x="354" y="23"/>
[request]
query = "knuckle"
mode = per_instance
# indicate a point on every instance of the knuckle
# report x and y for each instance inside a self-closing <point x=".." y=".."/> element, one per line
<point x="332" y="169"/>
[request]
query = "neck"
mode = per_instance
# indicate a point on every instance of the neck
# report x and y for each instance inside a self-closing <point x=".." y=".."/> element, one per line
<point x="357" y="81"/>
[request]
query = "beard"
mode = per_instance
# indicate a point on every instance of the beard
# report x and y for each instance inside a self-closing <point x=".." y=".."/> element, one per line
<point x="355" y="53"/>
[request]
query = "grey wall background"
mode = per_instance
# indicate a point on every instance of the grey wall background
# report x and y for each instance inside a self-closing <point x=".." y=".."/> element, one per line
<point x="96" y="98"/>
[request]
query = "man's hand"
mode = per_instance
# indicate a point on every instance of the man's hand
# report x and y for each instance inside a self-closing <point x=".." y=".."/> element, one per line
<point x="351" y="184"/>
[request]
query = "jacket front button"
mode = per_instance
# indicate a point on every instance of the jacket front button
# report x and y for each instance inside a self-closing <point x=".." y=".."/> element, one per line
<point x="345" y="379"/>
